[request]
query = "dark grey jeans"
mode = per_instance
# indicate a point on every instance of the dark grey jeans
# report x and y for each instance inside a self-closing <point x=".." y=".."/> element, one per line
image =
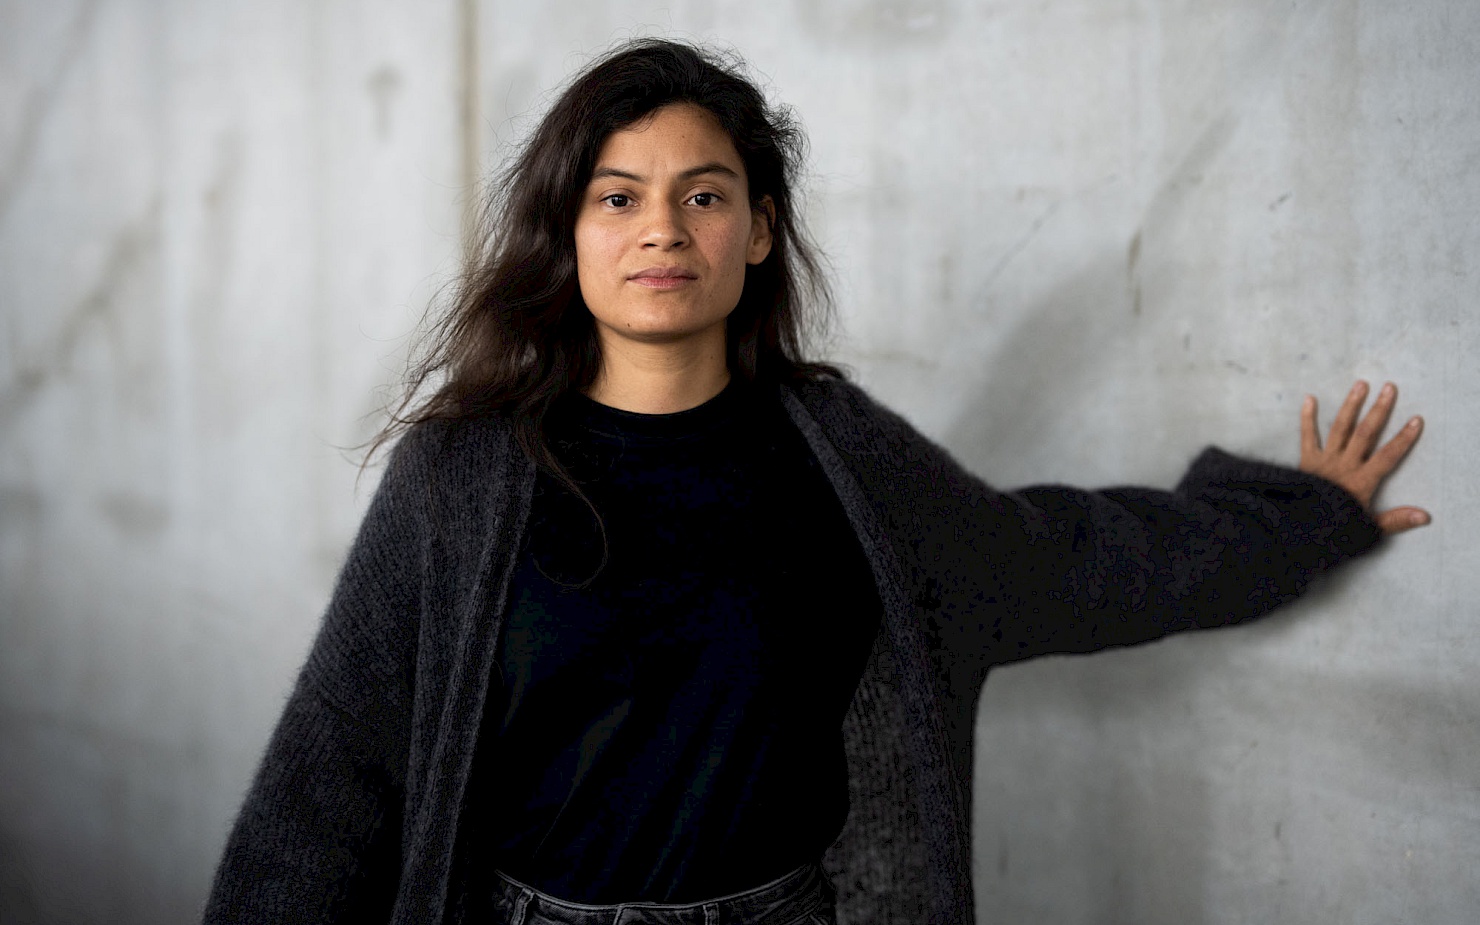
<point x="802" y="897"/>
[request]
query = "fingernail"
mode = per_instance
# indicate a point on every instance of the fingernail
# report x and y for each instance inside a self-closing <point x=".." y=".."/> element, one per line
<point x="1388" y="390"/>
<point x="1418" y="518"/>
<point x="1415" y="423"/>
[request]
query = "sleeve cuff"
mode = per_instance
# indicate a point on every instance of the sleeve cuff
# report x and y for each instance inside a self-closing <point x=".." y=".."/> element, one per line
<point x="1348" y="527"/>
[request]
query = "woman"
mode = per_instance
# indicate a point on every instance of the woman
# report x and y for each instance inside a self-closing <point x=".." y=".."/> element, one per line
<point x="651" y="620"/>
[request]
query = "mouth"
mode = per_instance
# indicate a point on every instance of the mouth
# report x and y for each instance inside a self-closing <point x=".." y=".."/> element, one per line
<point x="662" y="282"/>
<point x="662" y="278"/>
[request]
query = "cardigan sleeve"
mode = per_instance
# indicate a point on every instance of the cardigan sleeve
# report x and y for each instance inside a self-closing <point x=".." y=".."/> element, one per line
<point x="1235" y="539"/>
<point x="318" y="836"/>
<point x="1001" y="576"/>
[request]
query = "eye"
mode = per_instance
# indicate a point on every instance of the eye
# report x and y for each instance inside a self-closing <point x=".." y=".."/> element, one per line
<point x="710" y="199"/>
<point x="616" y="200"/>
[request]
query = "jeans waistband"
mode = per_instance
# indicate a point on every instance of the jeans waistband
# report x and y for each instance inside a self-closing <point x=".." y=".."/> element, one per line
<point x="780" y="902"/>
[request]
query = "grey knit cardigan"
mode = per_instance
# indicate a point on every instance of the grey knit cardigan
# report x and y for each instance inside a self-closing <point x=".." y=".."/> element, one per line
<point x="355" y="814"/>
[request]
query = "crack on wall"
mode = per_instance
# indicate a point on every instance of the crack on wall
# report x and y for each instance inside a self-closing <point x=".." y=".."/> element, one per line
<point x="1022" y="242"/>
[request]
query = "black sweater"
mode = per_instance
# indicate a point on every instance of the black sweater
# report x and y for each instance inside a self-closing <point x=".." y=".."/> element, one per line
<point x="678" y="718"/>
<point x="357" y="812"/>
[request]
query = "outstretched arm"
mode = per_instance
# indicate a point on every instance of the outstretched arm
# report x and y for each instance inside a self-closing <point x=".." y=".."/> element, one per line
<point x="1234" y="540"/>
<point x="1001" y="576"/>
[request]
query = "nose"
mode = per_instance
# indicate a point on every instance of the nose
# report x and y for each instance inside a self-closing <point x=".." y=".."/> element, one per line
<point x="664" y="228"/>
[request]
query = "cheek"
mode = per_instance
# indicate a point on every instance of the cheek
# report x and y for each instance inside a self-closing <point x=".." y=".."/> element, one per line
<point x="597" y="256"/>
<point x="731" y="242"/>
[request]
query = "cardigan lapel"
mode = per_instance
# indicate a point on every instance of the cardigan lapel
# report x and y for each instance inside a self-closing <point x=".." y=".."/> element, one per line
<point x="484" y="547"/>
<point x="826" y="426"/>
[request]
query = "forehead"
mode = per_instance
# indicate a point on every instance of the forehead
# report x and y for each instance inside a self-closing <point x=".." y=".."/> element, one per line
<point x="670" y="139"/>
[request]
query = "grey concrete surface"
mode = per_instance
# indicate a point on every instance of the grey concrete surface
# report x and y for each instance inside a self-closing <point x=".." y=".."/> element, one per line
<point x="1075" y="242"/>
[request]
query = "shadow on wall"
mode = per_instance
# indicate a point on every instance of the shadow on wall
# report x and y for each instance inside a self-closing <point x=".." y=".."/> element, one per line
<point x="1055" y="352"/>
<point x="1092" y="784"/>
<point x="1117" y="784"/>
<point x="1068" y="343"/>
<point x="1044" y="721"/>
<point x="1141" y="782"/>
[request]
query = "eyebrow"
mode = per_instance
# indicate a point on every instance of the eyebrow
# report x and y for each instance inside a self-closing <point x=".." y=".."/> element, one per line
<point x="691" y="173"/>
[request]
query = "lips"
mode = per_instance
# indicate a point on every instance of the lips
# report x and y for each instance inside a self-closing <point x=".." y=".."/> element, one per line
<point x="662" y="273"/>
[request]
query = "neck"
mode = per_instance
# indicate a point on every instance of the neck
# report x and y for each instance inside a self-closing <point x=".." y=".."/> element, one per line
<point x="651" y="378"/>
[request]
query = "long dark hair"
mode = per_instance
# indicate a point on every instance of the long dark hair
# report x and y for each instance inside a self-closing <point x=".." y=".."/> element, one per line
<point x="517" y="334"/>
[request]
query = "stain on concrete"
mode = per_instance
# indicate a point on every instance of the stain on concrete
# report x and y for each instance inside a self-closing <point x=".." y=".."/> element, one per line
<point x="133" y="248"/>
<point x="21" y="510"/>
<point x="19" y="505"/>
<point x="947" y="277"/>
<point x="133" y="514"/>
<point x="899" y="358"/>
<point x="383" y="85"/>
<point x="470" y="123"/>
<point x="212" y="279"/>
<point x="41" y="104"/>
<point x="1171" y="193"/>
<point x="218" y="196"/>
<point x="1132" y="271"/>
<point x="882" y="24"/>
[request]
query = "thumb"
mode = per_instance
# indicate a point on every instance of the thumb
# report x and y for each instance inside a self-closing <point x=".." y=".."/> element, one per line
<point x="1398" y="519"/>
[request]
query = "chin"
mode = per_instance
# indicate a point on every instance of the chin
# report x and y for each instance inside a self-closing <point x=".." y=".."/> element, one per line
<point x="664" y="328"/>
<point x="664" y="334"/>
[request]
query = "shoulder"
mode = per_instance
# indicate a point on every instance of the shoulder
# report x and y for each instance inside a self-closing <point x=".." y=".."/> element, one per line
<point x="446" y="444"/>
<point x="859" y="424"/>
<point x="446" y="465"/>
<point x="839" y="401"/>
<point x="891" y="459"/>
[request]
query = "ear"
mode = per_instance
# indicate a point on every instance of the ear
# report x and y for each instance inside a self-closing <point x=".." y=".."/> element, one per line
<point x="762" y="218"/>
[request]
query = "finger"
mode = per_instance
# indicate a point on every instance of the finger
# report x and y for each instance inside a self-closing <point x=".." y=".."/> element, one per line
<point x="1310" y="432"/>
<point x="1365" y="437"/>
<point x="1399" y="519"/>
<point x="1346" y="417"/>
<point x="1386" y="459"/>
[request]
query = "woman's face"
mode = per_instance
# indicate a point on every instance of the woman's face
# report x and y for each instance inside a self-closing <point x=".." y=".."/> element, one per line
<point x="668" y="195"/>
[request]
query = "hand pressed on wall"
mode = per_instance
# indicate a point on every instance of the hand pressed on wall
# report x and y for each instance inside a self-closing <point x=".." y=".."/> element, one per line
<point x="1351" y="457"/>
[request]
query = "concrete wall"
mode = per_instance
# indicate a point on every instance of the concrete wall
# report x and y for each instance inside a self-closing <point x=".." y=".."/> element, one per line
<point x="1073" y="241"/>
